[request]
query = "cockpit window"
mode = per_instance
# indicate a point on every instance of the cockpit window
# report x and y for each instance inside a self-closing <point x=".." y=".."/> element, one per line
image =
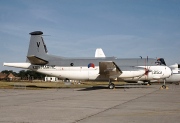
<point x="160" y="61"/>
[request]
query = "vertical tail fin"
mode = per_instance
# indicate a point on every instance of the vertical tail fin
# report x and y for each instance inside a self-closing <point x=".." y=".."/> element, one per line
<point x="99" y="53"/>
<point x="37" y="46"/>
<point x="37" y="52"/>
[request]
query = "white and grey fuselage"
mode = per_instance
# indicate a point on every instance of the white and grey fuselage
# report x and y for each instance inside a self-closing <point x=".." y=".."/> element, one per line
<point x="89" y="68"/>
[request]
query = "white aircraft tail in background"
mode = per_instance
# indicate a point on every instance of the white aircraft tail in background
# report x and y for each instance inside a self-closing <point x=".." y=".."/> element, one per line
<point x="99" y="53"/>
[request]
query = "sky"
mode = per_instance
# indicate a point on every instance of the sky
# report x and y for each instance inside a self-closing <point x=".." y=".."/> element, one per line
<point x="75" y="28"/>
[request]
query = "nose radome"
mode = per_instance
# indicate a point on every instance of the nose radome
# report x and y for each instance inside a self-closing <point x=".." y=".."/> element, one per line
<point x="168" y="72"/>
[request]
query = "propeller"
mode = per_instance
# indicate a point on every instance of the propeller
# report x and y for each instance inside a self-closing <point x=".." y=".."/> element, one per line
<point x="147" y="69"/>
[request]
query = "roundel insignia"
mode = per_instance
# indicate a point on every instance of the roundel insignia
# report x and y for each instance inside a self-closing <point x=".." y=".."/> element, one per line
<point x="91" y="65"/>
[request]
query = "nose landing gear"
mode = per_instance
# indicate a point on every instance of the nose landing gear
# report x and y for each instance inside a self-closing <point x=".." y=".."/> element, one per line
<point x="164" y="85"/>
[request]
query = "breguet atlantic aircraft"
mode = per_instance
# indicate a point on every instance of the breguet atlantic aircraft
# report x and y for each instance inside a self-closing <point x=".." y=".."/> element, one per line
<point x="98" y="68"/>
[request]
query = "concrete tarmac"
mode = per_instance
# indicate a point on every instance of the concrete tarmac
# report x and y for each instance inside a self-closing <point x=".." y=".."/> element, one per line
<point x="137" y="104"/>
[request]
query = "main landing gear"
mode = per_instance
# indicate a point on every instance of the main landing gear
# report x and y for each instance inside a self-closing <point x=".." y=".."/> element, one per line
<point x="146" y="83"/>
<point x="111" y="85"/>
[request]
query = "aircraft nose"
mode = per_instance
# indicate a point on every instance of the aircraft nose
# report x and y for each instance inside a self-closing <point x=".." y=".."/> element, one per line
<point x="168" y="72"/>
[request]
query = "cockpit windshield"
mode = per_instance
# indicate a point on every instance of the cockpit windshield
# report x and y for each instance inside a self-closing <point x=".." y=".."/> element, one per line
<point x="160" y="61"/>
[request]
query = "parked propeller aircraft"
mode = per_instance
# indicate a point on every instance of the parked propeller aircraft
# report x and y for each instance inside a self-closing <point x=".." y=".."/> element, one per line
<point x="99" y="68"/>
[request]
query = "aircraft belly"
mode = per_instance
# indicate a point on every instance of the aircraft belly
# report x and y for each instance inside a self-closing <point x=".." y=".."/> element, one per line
<point x="72" y="73"/>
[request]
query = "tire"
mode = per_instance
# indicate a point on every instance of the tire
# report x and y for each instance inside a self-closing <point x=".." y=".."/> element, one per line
<point x="164" y="86"/>
<point x="111" y="86"/>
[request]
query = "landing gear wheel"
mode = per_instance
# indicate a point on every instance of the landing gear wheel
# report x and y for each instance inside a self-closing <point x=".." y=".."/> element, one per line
<point x="111" y="86"/>
<point x="164" y="86"/>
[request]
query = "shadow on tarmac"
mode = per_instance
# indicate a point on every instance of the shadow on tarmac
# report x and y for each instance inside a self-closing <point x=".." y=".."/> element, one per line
<point x="117" y="87"/>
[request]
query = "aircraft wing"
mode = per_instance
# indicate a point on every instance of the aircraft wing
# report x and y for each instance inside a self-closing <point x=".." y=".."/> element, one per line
<point x="110" y="69"/>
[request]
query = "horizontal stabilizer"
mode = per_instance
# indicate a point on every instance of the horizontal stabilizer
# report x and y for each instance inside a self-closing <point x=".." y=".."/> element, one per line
<point x="36" y="61"/>
<point x="18" y="65"/>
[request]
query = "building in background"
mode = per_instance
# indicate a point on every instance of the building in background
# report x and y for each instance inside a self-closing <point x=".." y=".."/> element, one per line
<point x="51" y="79"/>
<point x="8" y="77"/>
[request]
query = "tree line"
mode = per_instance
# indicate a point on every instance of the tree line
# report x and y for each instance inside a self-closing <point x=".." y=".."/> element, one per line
<point x="26" y="74"/>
